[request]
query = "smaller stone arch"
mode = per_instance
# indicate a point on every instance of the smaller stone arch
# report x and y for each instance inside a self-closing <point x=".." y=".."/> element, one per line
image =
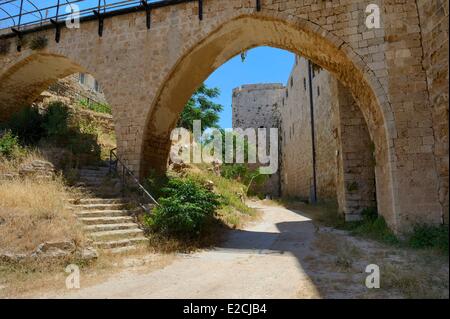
<point x="27" y="78"/>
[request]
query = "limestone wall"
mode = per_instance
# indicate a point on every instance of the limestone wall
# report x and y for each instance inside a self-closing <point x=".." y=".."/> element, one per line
<point x="345" y="164"/>
<point x="72" y="88"/>
<point x="355" y="171"/>
<point x="433" y="17"/>
<point x="297" y="159"/>
<point x="257" y="106"/>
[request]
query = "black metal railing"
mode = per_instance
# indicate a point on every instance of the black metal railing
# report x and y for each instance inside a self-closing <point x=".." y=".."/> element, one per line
<point x="21" y="15"/>
<point x="116" y="165"/>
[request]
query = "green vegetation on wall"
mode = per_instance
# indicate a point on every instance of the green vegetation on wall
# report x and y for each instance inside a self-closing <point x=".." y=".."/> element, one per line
<point x="96" y="107"/>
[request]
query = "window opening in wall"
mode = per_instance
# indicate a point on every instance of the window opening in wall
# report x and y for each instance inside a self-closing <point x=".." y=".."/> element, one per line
<point x="82" y="78"/>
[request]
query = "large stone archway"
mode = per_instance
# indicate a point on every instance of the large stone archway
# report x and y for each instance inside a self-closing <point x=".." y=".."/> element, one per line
<point x="283" y="32"/>
<point x="148" y="75"/>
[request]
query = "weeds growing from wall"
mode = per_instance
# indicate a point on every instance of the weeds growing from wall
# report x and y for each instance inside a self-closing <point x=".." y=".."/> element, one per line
<point x="38" y="43"/>
<point x="96" y="107"/>
<point x="4" y="47"/>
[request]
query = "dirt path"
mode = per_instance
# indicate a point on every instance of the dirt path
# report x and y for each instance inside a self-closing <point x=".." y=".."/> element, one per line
<point x="284" y="255"/>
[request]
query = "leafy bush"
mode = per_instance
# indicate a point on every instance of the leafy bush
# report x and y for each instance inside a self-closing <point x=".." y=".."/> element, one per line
<point x="427" y="236"/>
<point x="27" y="125"/>
<point x="9" y="144"/>
<point x="184" y="209"/>
<point x="56" y="120"/>
<point x="155" y="183"/>
<point x="235" y="171"/>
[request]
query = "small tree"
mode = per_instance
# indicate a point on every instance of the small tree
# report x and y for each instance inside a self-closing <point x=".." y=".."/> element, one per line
<point x="201" y="107"/>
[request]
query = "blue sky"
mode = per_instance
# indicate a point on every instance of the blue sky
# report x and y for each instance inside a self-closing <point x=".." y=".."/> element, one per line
<point x="262" y="65"/>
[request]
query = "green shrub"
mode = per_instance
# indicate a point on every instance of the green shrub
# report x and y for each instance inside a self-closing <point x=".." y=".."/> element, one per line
<point x="27" y="125"/>
<point x="9" y="144"/>
<point x="185" y="208"/>
<point x="56" y="120"/>
<point x="427" y="236"/>
<point x="234" y="171"/>
<point x="155" y="183"/>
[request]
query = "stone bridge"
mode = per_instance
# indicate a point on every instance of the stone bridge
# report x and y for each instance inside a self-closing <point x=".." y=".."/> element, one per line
<point x="397" y="74"/>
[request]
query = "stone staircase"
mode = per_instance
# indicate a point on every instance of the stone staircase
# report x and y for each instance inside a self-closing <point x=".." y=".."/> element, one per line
<point x="106" y="215"/>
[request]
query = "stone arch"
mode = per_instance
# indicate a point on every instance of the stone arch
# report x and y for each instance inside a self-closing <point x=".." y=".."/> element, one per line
<point x="282" y="31"/>
<point x="23" y="81"/>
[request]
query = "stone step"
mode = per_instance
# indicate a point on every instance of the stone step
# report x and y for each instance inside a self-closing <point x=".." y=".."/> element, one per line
<point x="104" y="213"/>
<point x="97" y="183"/>
<point x="84" y="171"/>
<point x="122" y="250"/>
<point x="95" y="177"/>
<point x="120" y="243"/>
<point x="95" y="168"/>
<point x="103" y="188"/>
<point x="117" y="234"/>
<point x="110" y="227"/>
<point x="85" y="207"/>
<point x="85" y="201"/>
<point x="106" y="220"/>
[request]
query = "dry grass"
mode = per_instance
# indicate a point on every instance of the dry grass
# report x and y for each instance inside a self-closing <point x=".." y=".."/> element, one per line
<point x="404" y="273"/>
<point x="33" y="212"/>
<point x="21" y="156"/>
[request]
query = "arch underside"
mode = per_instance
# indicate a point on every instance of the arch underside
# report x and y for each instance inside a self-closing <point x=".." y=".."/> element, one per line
<point x="21" y="84"/>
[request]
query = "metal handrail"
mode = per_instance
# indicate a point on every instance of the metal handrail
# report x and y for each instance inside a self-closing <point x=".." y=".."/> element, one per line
<point x="109" y="9"/>
<point x="114" y="160"/>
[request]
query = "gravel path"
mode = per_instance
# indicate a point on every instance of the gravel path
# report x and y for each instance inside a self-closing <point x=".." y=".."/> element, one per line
<point x="283" y="255"/>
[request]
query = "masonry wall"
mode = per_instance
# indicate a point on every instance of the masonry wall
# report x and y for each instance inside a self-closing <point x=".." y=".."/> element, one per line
<point x="345" y="166"/>
<point x="433" y="16"/>
<point x="72" y="88"/>
<point x="355" y="171"/>
<point x="297" y="159"/>
<point x="257" y="106"/>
